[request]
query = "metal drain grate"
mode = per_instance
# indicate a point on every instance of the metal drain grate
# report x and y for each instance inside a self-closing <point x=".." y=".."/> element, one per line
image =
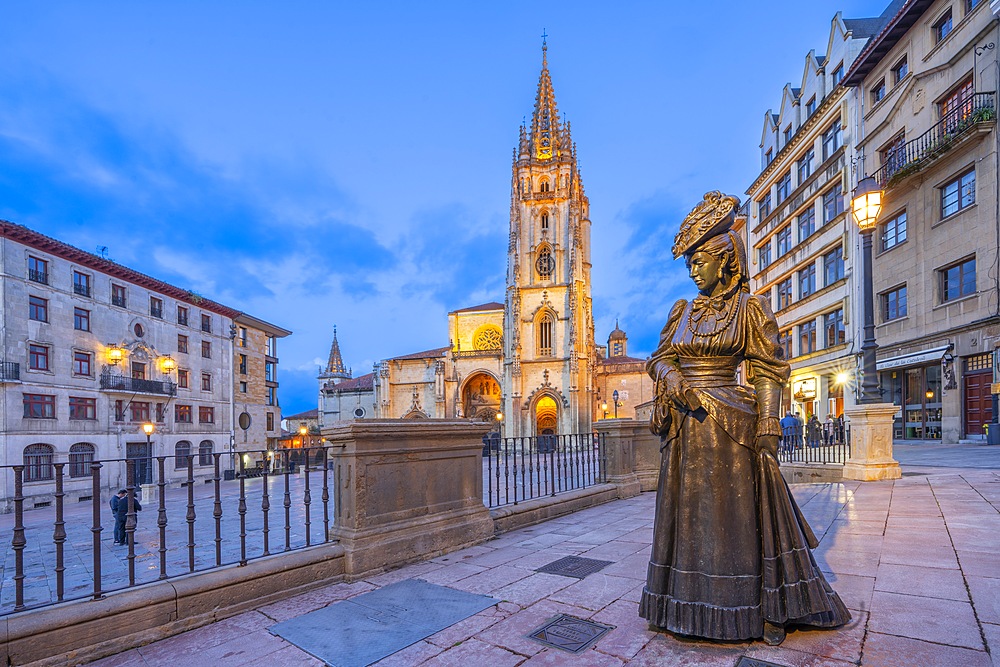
<point x="574" y="566"/>
<point x="754" y="662"/>
<point x="569" y="633"/>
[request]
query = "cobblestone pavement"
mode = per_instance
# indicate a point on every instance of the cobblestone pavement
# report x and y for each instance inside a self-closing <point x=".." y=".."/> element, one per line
<point x="916" y="561"/>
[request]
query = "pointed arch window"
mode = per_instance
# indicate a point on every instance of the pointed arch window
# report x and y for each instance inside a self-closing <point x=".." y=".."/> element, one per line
<point x="545" y="222"/>
<point x="545" y="264"/>
<point x="544" y="329"/>
<point x="543" y="186"/>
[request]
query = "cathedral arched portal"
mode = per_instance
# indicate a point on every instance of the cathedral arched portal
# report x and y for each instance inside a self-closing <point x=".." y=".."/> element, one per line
<point x="546" y="416"/>
<point x="481" y="397"/>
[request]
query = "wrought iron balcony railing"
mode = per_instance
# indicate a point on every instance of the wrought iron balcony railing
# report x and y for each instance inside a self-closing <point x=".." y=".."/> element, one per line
<point x="914" y="154"/>
<point x="38" y="276"/>
<point x="81" y="289"/>
<point x="123" y="383"/>
<point x="10" y="371"/>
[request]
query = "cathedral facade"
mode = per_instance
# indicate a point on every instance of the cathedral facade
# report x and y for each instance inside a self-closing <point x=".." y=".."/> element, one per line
<point x="529" y="364"/>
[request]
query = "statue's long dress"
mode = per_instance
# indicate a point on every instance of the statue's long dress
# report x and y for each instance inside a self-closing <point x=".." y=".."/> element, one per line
<point x="730" y="546"/>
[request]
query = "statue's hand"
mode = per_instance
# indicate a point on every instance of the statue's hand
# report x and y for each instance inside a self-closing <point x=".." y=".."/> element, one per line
<point x="673" y="388"/>
<point x="768" y="443"/>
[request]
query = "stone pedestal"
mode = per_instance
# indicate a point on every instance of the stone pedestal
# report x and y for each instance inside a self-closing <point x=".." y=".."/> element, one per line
<point x="620" y="436"/>
<point x="871" y="443"/>
<point x="406" y="489"/>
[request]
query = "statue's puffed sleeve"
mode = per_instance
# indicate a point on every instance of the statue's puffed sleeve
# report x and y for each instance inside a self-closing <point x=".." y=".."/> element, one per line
<point x="663" y="363"/>
<point x="767" y="368"/>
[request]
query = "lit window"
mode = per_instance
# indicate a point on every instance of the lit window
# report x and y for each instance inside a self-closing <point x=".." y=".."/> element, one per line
<point x="834" y="325"/>
<point x="182" y="414"/>
<point x="785" y="342"/>
<point x="206" y="414"/>
<point x="957" y="106"/>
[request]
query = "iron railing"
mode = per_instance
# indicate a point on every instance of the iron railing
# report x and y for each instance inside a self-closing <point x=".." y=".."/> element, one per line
<point x="38" y="276"/>
<point x="519" y="469"/>
<point x="123" y="383"/>
<point x="83" y="289"/>
<point x="198" y="527"/>
<point x="911" y="156"/>
<point x="118" y="300"/>
<point x="823" y="443"/>
<point x="463" y="354"/>
<point x="10" y="371"/>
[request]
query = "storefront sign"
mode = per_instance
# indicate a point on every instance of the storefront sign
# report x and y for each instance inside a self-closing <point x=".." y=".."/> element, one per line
<point x="805" y="390"/>
<point x="914" y="359"/>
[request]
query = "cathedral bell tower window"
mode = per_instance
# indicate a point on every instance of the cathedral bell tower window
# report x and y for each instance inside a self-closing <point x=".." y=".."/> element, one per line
<point x="545" y="222"/>
<point x="545" y="264"/>
<point x="544" y="185"/>
<point x="545" y="323"/>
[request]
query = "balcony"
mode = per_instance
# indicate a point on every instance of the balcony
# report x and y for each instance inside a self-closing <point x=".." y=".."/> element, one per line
<point x="129" y="385"/>
<point x="38" y="276"/>
<point x="10" y="371"/>
<point x="118" y="300"/>
<point x="156" y="312"/>
<point x="81" y="289"/>
<point x="979" y="111"/>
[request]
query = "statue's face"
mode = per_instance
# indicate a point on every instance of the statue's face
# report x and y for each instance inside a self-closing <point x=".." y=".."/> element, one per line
<point x="706" y="272"/>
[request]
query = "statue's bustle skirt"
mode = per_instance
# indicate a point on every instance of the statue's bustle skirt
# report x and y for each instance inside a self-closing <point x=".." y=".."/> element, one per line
<point x="730" y="547"/>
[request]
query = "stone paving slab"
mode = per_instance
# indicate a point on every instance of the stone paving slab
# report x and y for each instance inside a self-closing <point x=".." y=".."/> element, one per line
<point x="919" y="594"/>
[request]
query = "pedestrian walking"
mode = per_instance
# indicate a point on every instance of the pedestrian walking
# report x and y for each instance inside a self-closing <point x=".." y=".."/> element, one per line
<point x="814" y="431"/>
<point x="119" y="509"/>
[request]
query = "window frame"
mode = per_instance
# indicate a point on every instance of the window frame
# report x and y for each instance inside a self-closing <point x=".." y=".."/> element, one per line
<point x="833" y="259"/>
<point x="37" y="459"/>
<point x="206" y="381"/>
<point x="807" y="274"/>
<point x="36" y="274"/>
<point x="764" y="206"/>
<point x="838" y="75"/>
<point x="783" y="241"/>
<point x="960" y="183"/>
<point x="807" y="331"/>
<point x="897" y="224"/>
<point x="206" y="414"/>
<point x="85" y="405"/>
<point x="900" y="70"/>
<point x="38" y="357"/>
<point x="183" y="414"/>
<point x="810" y="213"/>
<point x="38" y="308"/>
<point x="182" y="315"/>
<point x="183" y="378"/>
<point x="81" y="319"/>
<point x="82" y="284"/>
<point x="81" y="457"/>
<point x="182" y="344"/>
<point x="943" y="27"/>
<point x="156" y="307"/>
<point x="891" y="306"/>
<point x="943" y="280"/>
<point x="833" y="322"/>
<point x="879" y="91"/>
<point x="833" y="139"/>
<point x="83" y="363"/>
<point x="206" y="323"/>
<point x="804" y="164"/>
<point x="206" y="349"/>
<point x="784" y="187"/>
<point x="181" y="459"/>
<point x="783" y="293"/>
<point x="43" y="404"/>
<point x="837" y="199"/>
<point x="119" y="295"/>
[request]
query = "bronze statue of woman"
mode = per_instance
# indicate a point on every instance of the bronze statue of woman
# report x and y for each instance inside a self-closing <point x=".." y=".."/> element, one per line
<point x="731" y="555"/>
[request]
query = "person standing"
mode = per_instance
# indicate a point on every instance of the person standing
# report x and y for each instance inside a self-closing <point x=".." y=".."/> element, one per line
<point x="119" y="509"/>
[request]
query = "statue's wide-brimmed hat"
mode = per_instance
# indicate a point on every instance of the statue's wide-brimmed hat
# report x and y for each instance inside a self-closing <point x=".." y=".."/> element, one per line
<point x="715" y="215"/>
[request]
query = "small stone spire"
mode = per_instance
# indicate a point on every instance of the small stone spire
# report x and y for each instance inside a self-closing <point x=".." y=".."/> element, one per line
<point x="335" y="368"/>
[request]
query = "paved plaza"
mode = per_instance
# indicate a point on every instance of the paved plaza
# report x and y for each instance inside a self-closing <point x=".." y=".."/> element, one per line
<point x="915" y="560"/>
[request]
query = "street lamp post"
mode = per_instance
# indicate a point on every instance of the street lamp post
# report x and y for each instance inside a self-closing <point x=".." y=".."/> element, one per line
<point x="604" y="407"/>
<point x="614" y="397"/>
<point x="865" y="206"/>
<point x="148" y="429"/>
<point x="499" y="417"/>
<point x="871" y="419"/>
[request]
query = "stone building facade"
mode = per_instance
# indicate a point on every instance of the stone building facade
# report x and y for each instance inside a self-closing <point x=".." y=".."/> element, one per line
<point x="801" y="238"/>
<point x="92" y="350"/>
<point x="925" y="95"/>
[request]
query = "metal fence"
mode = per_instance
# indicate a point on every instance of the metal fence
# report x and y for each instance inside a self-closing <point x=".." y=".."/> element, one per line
<point x="822" y="443"/>
<point x="519" y="469"/>
<point x="60" y="552"/>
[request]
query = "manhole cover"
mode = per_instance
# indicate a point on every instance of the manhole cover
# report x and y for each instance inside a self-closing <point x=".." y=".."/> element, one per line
<point x="754" y="662"/>
<point x="569" y="633"/>
<point x="574" y="566"/>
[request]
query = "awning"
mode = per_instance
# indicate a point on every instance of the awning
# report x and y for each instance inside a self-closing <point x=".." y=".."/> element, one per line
<point x="934" y="354"/>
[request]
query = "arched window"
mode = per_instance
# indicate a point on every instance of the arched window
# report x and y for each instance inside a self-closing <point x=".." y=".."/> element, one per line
<point x="205" y="453"/>
<point x="81" y="455"/>
<point x="545" y="264"/>
<point x="543" y="186"/>
<point x="37" y="463"/>
<point x="545" y="222"/>
<point x="544" y="335"/>
<point x="182" y="454"/>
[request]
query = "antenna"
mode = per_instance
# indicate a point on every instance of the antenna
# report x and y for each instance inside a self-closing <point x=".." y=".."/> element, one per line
<point x="102" y="250"/>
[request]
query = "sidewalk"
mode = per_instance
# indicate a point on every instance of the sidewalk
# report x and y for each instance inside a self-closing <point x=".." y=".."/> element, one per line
<point x="916" y="561"/>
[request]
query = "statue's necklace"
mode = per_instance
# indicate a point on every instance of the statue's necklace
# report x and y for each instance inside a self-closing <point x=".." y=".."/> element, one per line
<point x="730" y="300"/>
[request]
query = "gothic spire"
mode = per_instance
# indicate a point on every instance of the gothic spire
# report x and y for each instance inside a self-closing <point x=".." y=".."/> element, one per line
<point x="335" y="366"/>
<point x="546" y="134"/>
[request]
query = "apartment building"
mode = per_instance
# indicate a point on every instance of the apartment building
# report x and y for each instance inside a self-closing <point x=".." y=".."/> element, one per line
<point x="925" y="95"/>
<point x="93" y="350"/>
<point x="800" y="236"/>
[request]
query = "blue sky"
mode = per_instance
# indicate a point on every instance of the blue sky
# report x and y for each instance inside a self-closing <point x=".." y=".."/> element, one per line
<point x="331" y="163"/>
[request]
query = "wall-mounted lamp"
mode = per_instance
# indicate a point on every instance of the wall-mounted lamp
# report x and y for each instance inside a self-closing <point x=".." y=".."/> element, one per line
<point x="115" y="354"/>
<point x="168" y="364"/>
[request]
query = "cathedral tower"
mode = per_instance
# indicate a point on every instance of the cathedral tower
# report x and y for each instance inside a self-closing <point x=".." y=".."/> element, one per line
<point x="548" y="318"/>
